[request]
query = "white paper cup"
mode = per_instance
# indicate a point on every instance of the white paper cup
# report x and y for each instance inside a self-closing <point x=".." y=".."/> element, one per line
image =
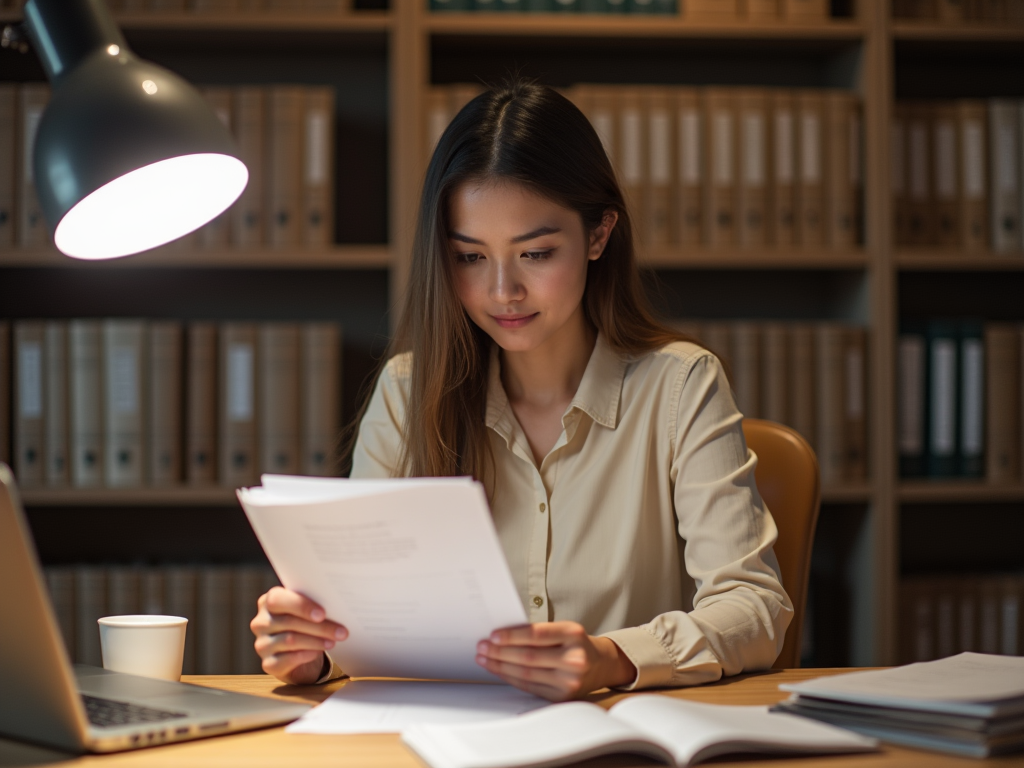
<point x="151" y="646"/>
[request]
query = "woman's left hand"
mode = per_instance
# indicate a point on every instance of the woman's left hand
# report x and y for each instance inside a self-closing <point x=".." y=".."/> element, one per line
<point x="555" y="660"/>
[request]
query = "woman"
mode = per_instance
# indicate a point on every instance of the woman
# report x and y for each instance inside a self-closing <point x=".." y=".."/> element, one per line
<point x="611" y="449"/>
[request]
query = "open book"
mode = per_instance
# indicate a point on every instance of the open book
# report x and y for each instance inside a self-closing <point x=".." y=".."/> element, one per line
<point x="674" y="731"/>
<point x="412" y="567"/>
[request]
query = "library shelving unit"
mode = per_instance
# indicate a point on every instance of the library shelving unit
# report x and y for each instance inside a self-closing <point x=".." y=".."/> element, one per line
<point x="382" y="62"/>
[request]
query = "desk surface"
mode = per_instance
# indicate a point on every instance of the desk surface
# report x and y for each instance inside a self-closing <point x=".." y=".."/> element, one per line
<point x="274" y="748"/>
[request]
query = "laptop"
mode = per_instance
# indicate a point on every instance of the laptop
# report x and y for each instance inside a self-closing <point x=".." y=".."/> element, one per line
<point x="79" y="708"/>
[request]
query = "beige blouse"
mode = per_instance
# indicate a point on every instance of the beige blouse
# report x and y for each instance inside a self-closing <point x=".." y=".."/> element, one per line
<point x="645" y="508"/>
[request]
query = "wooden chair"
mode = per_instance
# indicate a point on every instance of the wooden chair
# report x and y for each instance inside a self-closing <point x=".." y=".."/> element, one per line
<point x="788" y="479"/>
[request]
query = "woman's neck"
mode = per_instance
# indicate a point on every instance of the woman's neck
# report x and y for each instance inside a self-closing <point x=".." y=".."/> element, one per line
<point x="550" y="374"/>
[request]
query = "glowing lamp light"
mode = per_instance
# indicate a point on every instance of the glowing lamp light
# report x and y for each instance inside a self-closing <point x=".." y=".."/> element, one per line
<point x="127" y="155"/>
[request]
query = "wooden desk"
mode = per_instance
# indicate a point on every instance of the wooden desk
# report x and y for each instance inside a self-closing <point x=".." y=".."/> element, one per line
<point x="274" y="748"/>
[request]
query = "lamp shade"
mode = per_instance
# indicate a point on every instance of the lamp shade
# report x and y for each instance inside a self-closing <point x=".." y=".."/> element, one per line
<point x="127" y="155"/>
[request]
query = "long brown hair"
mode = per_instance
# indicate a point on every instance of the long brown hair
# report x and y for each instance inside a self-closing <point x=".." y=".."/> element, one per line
<point x="531" y="135"/>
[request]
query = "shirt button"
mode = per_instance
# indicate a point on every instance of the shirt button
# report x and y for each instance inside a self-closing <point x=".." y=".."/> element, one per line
<point x="538" y="601"/>
<point x="543" y="507"/>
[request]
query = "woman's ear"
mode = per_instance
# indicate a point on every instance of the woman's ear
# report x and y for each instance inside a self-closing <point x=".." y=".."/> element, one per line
<point x="600" y="234"/>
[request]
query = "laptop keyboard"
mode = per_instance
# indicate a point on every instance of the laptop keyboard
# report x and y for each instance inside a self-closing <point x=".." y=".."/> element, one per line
<point x="104" y="713"/>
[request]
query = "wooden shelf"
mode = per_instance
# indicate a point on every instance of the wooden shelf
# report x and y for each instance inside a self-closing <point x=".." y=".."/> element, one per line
<point x="683" y="257"/>
<point x="638" y="26"/>
<point x="291" y="21"/>
<point x="926" y="259"/>
<point x="965" y="32"/>
<point x="957" y="491"/>
<point x="176" y="496"/>
<point x="336" y="257"/>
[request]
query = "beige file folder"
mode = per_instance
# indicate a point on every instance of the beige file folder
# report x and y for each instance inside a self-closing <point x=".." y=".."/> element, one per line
<point x="201" y="404"/>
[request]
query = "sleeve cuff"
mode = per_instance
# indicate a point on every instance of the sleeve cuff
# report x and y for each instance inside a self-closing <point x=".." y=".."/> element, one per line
<point x="333" y="672"/>
<point x="653" y="664"/>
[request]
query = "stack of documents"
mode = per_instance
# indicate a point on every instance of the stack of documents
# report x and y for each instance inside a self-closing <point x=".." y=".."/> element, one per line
<point x="971" y="704"/>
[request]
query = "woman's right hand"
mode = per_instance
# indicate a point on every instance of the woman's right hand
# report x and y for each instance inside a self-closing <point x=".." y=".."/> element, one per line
<point x="292" y="633"/>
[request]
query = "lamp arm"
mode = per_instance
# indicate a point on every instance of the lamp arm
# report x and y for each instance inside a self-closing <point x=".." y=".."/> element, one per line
<point x="64" y="32"/>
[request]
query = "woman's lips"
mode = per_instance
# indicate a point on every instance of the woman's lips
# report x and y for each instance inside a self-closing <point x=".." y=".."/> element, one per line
<point x="513" y="321"/>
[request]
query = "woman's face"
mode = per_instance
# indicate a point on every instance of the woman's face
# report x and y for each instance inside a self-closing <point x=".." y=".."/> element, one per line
<point x="520" y="262"/>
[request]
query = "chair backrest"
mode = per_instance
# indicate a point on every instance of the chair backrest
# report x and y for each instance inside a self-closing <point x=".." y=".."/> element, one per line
<point x="788" y="480"/>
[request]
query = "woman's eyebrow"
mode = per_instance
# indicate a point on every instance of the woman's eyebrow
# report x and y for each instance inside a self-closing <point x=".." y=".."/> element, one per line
<point x="539" y="232"/>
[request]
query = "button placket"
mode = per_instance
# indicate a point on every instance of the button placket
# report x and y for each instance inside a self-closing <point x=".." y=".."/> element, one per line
<point x="538" y="553"/>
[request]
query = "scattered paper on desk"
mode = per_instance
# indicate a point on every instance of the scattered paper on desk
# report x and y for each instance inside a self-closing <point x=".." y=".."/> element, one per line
<point x="377" y="706"/>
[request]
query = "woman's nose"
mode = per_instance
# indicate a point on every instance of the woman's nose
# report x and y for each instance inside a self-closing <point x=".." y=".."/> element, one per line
<point x="505" y="284"/>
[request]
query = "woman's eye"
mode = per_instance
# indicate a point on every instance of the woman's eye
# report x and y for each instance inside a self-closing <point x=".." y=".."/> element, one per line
<point x="467" y="258"/>
<point x="537" y="255"/>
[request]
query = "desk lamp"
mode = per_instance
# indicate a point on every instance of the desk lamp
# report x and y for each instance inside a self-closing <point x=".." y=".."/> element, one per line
<point x="127" y="155"/>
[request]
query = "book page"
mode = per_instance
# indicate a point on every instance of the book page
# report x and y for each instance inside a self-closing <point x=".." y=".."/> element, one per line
<point x="386" y="706"/>
<point x="555" y="735"/>
<point x="413" y="569"/>
<point x="970" y="683"/>
<point x="692" y="731"/>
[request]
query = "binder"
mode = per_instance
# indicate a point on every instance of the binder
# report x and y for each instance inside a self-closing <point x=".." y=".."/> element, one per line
<point x="1003" y="400"/>
<point x="57" y="464"/>
<point x="29" y="399"/>
<point x="775" y="368"/>
<point x="972" y="190"/>
<point x="248" y="586"/>
<point x="201" y="405"/>
<point x="630" y="151"/>
<point x="438" y="116"/>
<point x="90" y="605"/>
<point x="782" y="197"/>
<point x="286" y="151"/>
<point x="5" y="391"/>
<point x="720" y="204"/>
<point x="830" y="365"/>
<point x="320" y="369"/>
<point x="86" y="413"/>
<point x="746" y="367"/>
<point x="213" y="623"/>
<point x="805" y="11"/>
<point x="943" y="396"/>
<point x="919" y="207"/>
<point x="123" y="597"/>
<point x="8" y="150"/>
<point x="810" y="165"/>
<point x="164" y="403"/>
<point x="151" y="592"/>
<point x="31" y="227"/>
<point x="843" y="169"/>
<point x="753" y="164"/>
<point x="690" y="174"/>
<point x="318" y="168"/>
<point x="1004" y="176"/>
<point x="60" y="581"/>
<point x="946" y="164"/>
<point x="803" y="393"/>
<point x="215" y="234"/>
<point x="911" y="388"/>
<point x="898" y="175"/>
<point x="248" y="213"/>
<point x="855" y="439"/>
<point x="124" y="360"/>
<point x="237" y="404"/>
<point x="971" y="448"/>
<point x="278" y="395"/>
<point x="602" y="114"/>
<point x="658" y="204"/>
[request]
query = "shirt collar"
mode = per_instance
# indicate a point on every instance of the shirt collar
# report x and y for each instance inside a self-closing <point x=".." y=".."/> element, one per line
<point x="598" y="394"/>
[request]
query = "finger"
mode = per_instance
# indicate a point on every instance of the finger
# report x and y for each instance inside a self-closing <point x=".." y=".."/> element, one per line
<point x="553" y="685"/>
<point x="547" y="657"/>
<point x="268" y="645"/>
<point x="328" y="630"/>
<point x="284" y="665"/>
<point x="281" y="600"/>
<point x="545" y="633"/>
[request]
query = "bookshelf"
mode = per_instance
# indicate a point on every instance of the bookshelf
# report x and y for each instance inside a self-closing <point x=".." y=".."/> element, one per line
<point x="382" y="64"/>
